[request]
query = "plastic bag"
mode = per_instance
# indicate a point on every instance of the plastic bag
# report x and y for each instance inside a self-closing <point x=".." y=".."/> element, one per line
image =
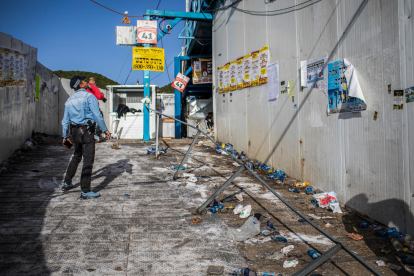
<point x="326" y="199"/>
<point x="292" y="263"/>
<point x="245" y="212"/>
<point x="285" y="250"/>
<point x="335" y="208"/>
<point x="238" y="209"/>
<point x="249" y="229"/>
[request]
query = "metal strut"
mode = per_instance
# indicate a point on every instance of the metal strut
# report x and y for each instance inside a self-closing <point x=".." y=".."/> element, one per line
<point x="186" y="156"/>
<point x="316" y="263"/>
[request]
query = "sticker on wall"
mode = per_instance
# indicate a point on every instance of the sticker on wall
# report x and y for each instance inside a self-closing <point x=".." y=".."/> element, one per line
<point x="375" y="115"/>
<point x="291" y="89"/>
<point x="239" y="75"/>
<point x="314" y="73"/>
<point x="263" y="62"/>
<point x="233" y="70"/>
<point x="247" y="63"/>
<point x="226" y="77"/>
<point x="344" y="92"/>
<point x="409" y="95"/>
<point x="282" y="87"/>
<point x="220" y="75"/>
<point x="37" y="87"/>
<point x="398" y="99"/>
<point x="389" y="88"/>
<point x="254" y="75"/>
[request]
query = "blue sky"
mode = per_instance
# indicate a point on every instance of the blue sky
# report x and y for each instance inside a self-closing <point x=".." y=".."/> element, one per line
<point x="80" y="35"/>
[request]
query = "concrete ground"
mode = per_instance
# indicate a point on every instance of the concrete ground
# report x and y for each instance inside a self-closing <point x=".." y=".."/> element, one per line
<point x="141" y="225"/>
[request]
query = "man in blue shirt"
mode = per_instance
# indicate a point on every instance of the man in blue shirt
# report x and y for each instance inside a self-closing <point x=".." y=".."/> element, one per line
<point x="80" y="118"/>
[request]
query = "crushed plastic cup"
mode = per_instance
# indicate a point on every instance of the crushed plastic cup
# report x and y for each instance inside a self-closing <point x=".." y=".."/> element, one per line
<point x="246" y="210"/>
<point x="285" y="250"/>
<point x="237" y="210"/>
<point x="292" y="263"/>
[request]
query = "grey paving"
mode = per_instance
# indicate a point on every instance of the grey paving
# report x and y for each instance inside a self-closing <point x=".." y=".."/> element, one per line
<point x="148" y="233"/>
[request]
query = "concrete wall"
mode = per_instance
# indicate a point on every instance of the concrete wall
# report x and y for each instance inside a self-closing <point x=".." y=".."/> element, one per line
<point x="21" y="117"/>
<point x="362" y="160"/>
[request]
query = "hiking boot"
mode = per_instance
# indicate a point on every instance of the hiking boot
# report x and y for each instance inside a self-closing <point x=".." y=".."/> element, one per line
<point x="89" y="195"/>
<point x="66" y="187"/>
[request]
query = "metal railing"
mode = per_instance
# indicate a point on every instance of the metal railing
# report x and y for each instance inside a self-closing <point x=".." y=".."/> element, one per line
<point x="315" y="263"/>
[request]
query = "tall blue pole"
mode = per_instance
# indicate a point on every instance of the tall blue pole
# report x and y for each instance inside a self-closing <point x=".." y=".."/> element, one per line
<point x="146" y="95"/>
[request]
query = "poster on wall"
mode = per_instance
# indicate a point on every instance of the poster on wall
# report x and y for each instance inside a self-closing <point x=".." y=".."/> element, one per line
<point x="398" y="99"/>
<point x="314" y="73"/>
<point x="247" y="62"/>
<point x="239" y="75"/>
<point x="202" y="70"/>
<point x="344" y="92"/>
<point x="226" y="77"/>
<point x="273" y="88"/>
<point x="254" y="74"/>
<point x="13" y="67"/>
<point x="409" y="95"/>
<point x="180" y="82"/>
<point x="263" y="62"/>
<point x="233" y="70"/>
<point x="220" y="75"/>
<point x="37" y="87"/>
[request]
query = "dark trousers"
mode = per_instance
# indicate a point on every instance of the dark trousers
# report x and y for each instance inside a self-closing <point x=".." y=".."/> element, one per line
<point x="84" y="147"/>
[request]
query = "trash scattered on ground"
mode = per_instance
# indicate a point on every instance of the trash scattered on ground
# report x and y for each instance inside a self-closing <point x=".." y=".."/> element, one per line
<point x="260" y="217"/>
<point x="244" y="272"/>
<point x="409" y="269"/>
<point x="314" y="216"/>
<point x="301" y="184"/>
<point x="285" y="250"/>
<point x="292" y="263"/>
<point x="245" y="212"/>
<point x="236" y="164"/>
<point x="328" y="200"/>
<point x="408" y="261"/>
<point x="197" y="220"/>
<point x="229" y="219"/>
<point x="127" y="195"/>
<point x="294" y="190"/>
<point x="237" y="210"/>
<point x="270" y="226"/>
<point x="313" y="254"/>
<point x="355" y="237"/>
<point x="387" y="232"/>
<point x="268" y="274"/>
<point x="239" y="197"/>
<point x="397" y="245"/>
<point x="303" y="220"/>
<point x="200" y="143"/>
<point x="328" y="217"/>
<point x="116" y="147"/>
<point x="364" y="224"/>
<point x="278" y="238"/>
<point x="183" y="168"/>
<point x="315" y="202"/>
<point x="61" y="198"/>
<point x="45" y="184"/>
<point x="385" y="250"/>
<point x="206" y="147"/>
<point x="309" y="190"/>
<point x="250" y="165"/>
<point x="30" y="145"/>
<point x="214" y="269"/>
<point x="382" y="263"/>
<point x="216" y="209"/>
<point x="249" y="229"/>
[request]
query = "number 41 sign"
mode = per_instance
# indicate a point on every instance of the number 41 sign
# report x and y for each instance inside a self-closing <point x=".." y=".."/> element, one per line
<point x="147" y="31"/>
<point x="180" y="82"/>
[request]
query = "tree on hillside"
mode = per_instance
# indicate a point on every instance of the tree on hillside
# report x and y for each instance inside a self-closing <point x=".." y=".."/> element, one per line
<point x="167" y="89"/>
<point x="101" y="81"/>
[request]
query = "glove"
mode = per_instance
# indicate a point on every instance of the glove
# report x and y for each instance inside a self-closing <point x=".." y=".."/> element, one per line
<point x="104" y="100"/>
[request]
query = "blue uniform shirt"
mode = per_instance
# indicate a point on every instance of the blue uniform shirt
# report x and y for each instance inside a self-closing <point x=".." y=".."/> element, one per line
<point x="79" y="108"/>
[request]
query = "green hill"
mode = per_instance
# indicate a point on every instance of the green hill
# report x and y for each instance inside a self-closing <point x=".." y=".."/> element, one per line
<point x="101" y="81"/>
<point x="167" y="89"/>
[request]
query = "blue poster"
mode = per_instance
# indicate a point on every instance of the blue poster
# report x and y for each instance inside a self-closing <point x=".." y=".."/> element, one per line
<point x="338" y="99"/>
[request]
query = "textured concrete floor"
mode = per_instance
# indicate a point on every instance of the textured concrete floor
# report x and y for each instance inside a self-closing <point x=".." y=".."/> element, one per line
<point x="148" y="233"/>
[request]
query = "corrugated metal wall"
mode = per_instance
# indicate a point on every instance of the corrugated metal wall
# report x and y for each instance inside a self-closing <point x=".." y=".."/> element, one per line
<point x="362" y="160"/>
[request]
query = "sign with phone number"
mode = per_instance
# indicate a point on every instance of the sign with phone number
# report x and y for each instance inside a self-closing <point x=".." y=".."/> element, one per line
<point x="151" y="59"/>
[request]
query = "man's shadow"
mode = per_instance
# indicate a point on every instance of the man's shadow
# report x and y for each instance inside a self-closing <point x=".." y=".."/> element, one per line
<point x="392" y="212"/>
<point x="110" y="172"/>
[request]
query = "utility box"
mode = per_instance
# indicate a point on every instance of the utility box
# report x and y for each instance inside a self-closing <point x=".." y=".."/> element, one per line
<point x="166" y="105"/>
<point x="198" y="110"/>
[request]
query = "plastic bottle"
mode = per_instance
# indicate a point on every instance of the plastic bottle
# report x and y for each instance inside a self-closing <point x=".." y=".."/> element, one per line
<point x="309" y="190"/>
<point x="217" y="208"/>
<point x="249" y="229"/>
<point x="314" y="255"/>
<point x="397" y="245"/>
<point x="364" y="224"/>
<point x="294" y="190"/>
<point x="301" y="184"/>
<point x="250" y="165"/>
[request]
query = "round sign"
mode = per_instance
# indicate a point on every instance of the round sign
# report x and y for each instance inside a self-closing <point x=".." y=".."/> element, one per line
<point x="146" y="36"/>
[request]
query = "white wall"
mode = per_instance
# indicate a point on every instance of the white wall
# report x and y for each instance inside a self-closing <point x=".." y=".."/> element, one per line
<point x="362" y="160"/>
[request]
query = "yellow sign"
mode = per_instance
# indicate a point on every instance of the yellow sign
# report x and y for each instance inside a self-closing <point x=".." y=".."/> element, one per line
<point x="151" y="59"/>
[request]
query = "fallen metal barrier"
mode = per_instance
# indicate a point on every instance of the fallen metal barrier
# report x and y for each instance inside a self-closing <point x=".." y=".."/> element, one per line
<point x="315" y="263"/>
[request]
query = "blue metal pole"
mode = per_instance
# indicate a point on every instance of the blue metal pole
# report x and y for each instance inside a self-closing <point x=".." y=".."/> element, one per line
<point x="146" y="95"/>
<point x="177" y="99"/>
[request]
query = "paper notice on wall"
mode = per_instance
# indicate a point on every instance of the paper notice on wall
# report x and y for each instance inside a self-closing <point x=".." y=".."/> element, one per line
<point x="273" y="88"/>
<point x="255" y="70"/>
<point x="233" y="71"/>
<point x="247" y="64"/>
<point x="344" y="92"/>
<point x="13" y="67"/>
<point x="226" y="77"/>
<point x="409" y="95"/>
<point x="316" y="73"/>
<point x="291" y="88"/>
<point x="239" y="75"/>
<point x="398" y="99"/>
<point x="263" y="62"/>
<point x="202" y="70"/>
<point x="220" y="76"/>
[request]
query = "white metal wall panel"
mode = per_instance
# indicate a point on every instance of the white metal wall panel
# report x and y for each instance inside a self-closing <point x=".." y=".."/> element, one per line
<point x="357" y="157"/>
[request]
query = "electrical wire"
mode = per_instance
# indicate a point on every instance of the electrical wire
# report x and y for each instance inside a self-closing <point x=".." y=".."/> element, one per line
<point x="280" y="11"/>
<point x="129" y="52"/>
<point x="258" y="12"/>
<point x="128" y="76"/>
<point x="116" y="11"/>
<point x="158" y="4"/>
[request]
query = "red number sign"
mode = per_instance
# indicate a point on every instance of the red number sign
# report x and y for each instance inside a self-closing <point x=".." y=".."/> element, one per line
<point x="180" y="82"/>
<point x="147" y="31"/>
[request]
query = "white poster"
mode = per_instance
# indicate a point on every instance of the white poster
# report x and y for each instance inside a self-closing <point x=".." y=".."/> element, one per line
<point x="316" y="72"/>
<point x="273" y="88"/>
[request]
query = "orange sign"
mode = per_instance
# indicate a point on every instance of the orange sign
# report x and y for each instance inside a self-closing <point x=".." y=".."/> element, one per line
<point x="147" y="31"/>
